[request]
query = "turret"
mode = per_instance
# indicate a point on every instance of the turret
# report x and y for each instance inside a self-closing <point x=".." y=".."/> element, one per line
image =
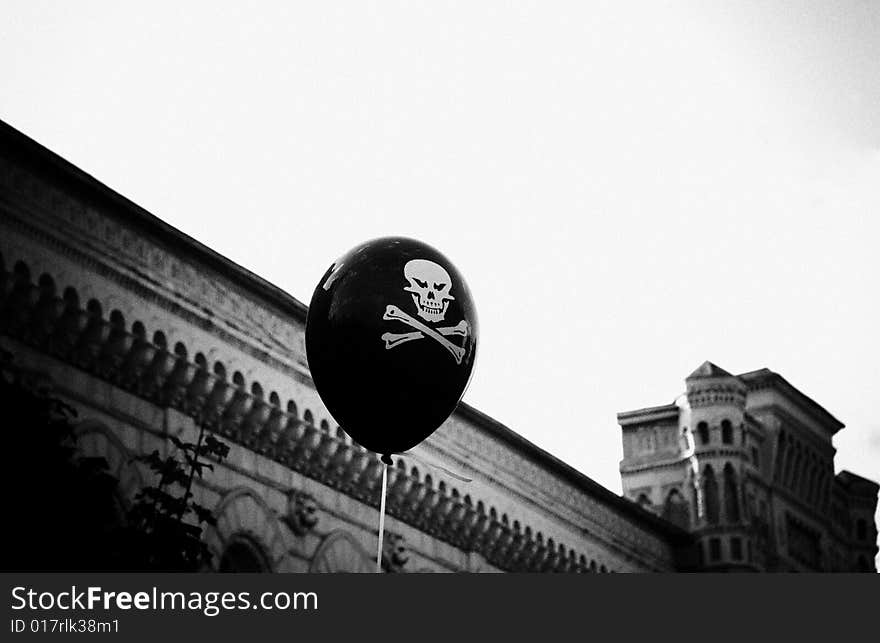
<point x="713" y="408"/>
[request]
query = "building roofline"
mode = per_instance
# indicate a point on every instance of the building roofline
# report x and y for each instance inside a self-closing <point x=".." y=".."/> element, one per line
<point x="29" y="152"/>
<point x="708" y="370"/>
<point x="570" y="474"/>
<point x="662" y="412"/>
<point x="765" y="376"/>
<point x="847" y="478"/>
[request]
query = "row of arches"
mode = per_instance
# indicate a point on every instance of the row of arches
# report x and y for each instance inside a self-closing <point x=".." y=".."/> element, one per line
<point x="721" y="498"/>
<point x="44" y="312"/>
<point x="721" y="493"/>
<point x="704" y="434"/>
<point x="674" y="508"/>
<point x="106" y="343"/>
<point x="801" y="470"/>
<point x="442" y="511"/>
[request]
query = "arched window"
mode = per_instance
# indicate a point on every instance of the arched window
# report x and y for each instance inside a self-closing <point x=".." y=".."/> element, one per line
<point x="644" y="501"/>
<point x="94" y="308"/>
<point x="798" y="470"/>
<point x="47" y="287"/>
<point x="117" y="319"/>
<point x="710" y="492"/>
<point x="789" y="461"/>
<point x="731" y="494"/>
<point x="726" y="432"/>
<point x="675" y="509"/>
<point x="811" y="483"/>
<point x="714" y="549"/>
<point x="780" y="453"/>
<point x="703" y="432"/>
<point x="242" y="555"/>
<point x="736" y="551"/>
<point x="71" y="299"/>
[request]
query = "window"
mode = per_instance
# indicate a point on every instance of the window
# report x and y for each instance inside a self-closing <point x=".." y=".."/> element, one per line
<point x="780" y="453"/>
<point x="243" y="555"/>
<point x="796" y="472"/>
<point x="675" y="509"/>
<point x="710" y="491"/>
<point x="714" y="549"/>
<point x="736" y="549"/>
<point x="789" y="461"/>
<point x="703" y="432"/>
<point x="804" y="543"/>
<point x="756" y="459"/>
<point x="726" y="432"/>
<point x="731" y="494"/>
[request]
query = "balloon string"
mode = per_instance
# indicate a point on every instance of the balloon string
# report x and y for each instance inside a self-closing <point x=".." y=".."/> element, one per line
<point x="382" y="517"/>
<point x="431" y="465"/>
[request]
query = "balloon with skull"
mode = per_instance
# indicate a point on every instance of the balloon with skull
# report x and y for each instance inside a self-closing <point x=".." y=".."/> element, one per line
<point x="391" y="340"/>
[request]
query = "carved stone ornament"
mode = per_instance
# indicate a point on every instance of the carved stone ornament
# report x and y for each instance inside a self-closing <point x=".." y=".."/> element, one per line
<point x="302" y="512"/>
<point x="395" y="555"/>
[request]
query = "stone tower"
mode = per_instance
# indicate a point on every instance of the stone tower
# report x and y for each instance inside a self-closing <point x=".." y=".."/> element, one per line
<point x="746" y="463"/>
<point x="713" y="409"/>
<point x="686" y="462"/>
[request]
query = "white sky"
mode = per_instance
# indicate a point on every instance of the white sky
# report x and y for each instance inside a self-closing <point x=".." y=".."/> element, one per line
<point x="629" y="189"/>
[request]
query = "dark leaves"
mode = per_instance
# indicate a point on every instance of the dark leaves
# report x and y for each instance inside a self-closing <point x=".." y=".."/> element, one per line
<point x="66" y="507"/>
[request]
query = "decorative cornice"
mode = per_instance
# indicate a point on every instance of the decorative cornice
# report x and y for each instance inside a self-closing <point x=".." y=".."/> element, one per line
<point x="789" y="421"/>
<point x="648" y="414"/>
<point x="766" y="379"/>
<point x="94" y="195"/>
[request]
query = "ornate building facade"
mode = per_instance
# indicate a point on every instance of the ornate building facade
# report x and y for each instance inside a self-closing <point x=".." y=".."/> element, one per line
<point x="746" y="463"/>
<point x="148" y="334"/>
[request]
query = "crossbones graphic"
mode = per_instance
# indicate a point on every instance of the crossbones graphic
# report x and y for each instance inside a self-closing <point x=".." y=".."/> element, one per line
<point x="430" y="287"/>
<point x="395" y="339"/>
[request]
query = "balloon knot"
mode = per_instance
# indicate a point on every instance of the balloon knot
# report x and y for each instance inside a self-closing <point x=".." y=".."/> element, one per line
<point x="387" y="460"/>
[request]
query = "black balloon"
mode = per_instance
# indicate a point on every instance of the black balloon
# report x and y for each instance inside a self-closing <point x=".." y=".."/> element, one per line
<point x="391" y="338"/>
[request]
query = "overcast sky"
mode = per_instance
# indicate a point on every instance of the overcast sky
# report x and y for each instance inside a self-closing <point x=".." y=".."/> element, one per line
<point x="629" y="189"/>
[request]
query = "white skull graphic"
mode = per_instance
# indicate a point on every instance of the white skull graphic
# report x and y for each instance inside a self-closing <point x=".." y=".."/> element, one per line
<point x="430" y="286"/>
